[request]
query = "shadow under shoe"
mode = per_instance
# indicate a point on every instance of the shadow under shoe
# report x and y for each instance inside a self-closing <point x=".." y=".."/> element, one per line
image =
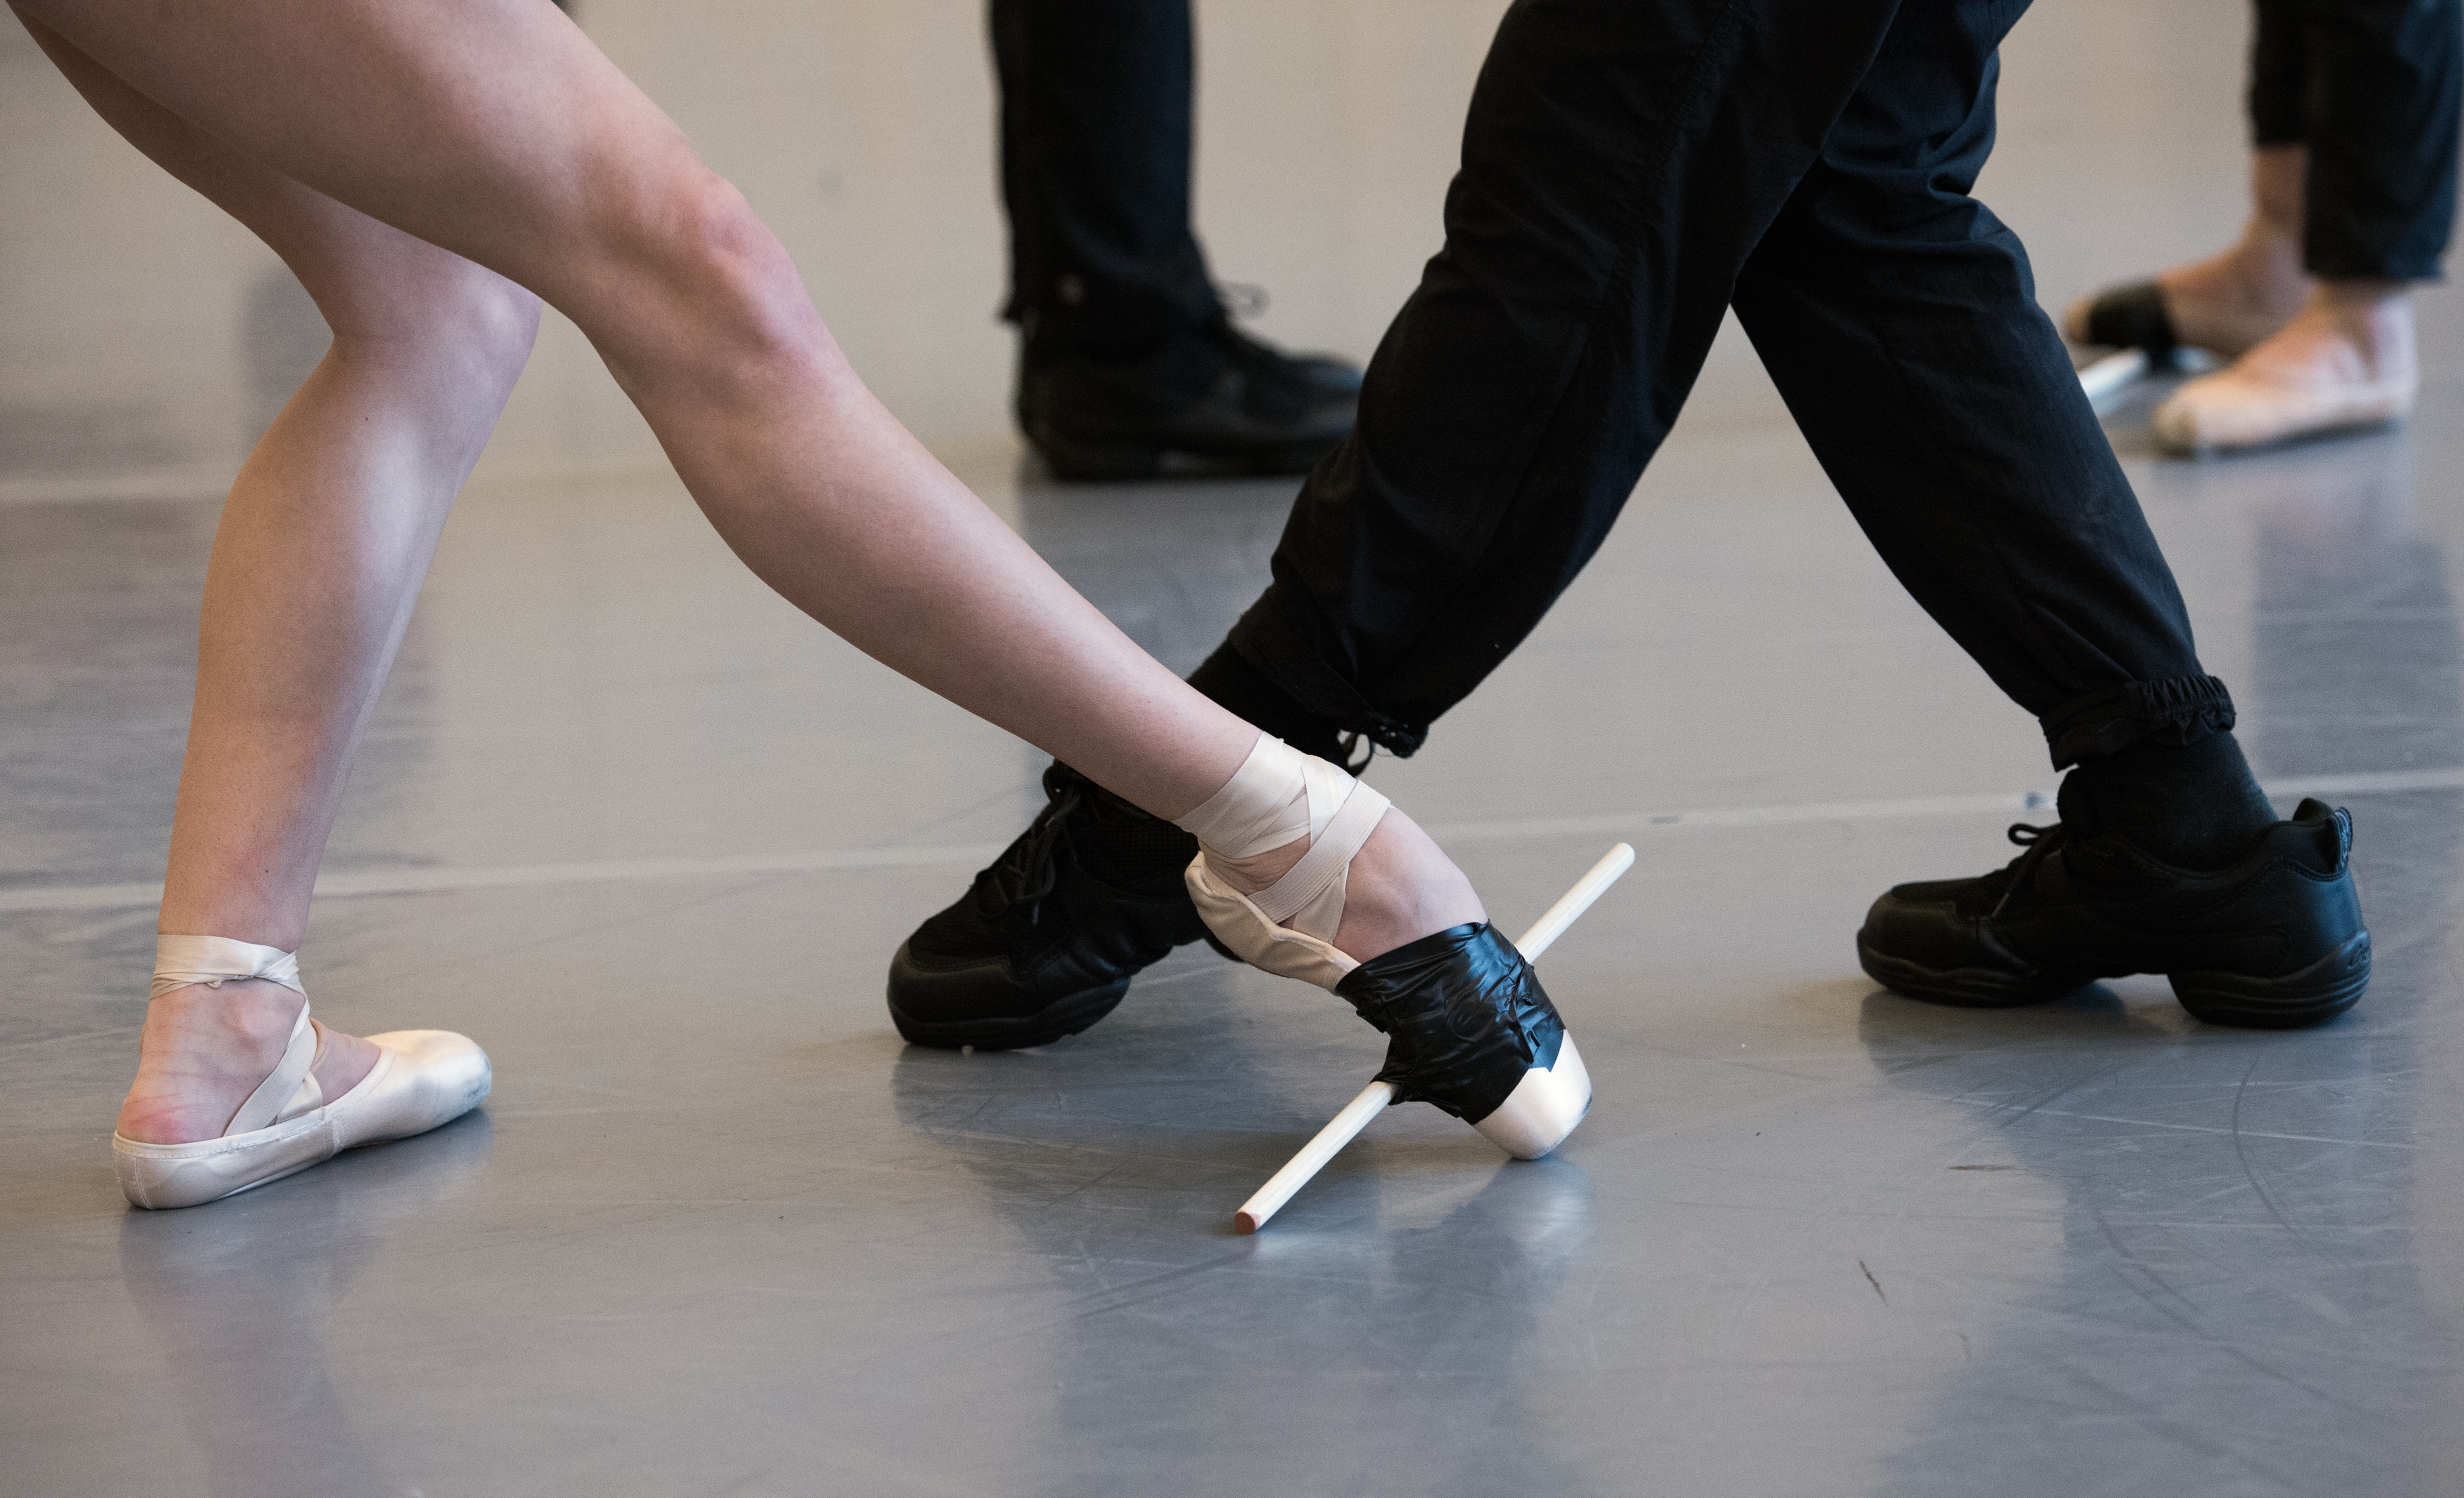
<point x="1214" y="394"/>
<point x="1470" y="1030"/>
<point x="1046" y="941"/>
<point x="2274" y="940"/>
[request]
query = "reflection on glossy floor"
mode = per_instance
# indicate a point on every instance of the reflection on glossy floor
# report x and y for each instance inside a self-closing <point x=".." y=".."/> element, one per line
<point x="651" y="839"/>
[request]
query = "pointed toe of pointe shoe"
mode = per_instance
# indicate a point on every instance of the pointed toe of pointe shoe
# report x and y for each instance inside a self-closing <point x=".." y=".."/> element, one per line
<point x="1470" y="1030"/>
<point x="2224" y="412"/>
<point x="1544" y="1108"/>
<point x="422" y="1079"/>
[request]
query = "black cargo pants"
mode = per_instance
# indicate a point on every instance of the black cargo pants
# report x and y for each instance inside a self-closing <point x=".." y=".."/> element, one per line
<point x="1096" y="134"/>
<point x="1630" y="169"/>
<point x="2374" y="88"/>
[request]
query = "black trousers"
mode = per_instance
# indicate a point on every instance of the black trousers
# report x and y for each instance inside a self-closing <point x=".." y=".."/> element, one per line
<point x="2374" y="89"/>
<point x="1096" y="135"/>
<point x="1631" y="169"/>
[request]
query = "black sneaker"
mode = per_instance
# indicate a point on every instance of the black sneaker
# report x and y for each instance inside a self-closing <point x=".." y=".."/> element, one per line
<point x="1215" y="394"/>
<point x="2272" y="942"/>
<point x="1046" y="941"/>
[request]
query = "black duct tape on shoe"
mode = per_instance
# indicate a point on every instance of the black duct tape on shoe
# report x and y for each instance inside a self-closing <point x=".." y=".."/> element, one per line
<point x="1465" y="1017"/>
<point x="2133" y="317"/>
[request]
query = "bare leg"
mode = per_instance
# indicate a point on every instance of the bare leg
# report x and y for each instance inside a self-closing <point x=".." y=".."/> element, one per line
<point x="2238" y="298"/>
<point x="2230" y="301"/>
<point x="323" y="544"/>
<point x="494" y="129"/>
<point x="491" y="128"/>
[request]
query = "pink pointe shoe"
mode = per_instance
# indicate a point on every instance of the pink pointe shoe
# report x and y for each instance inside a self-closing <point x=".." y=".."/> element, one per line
<point x="421" y="1079"/>
<point x="1468" y="1027"/>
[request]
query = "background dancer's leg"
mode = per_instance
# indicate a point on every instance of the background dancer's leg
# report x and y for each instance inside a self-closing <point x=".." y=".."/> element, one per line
<point x="2354" y="108"/>
<point x="2365" y="96"/>
<point x="1098" y="130"/>
<point x="1125" y="348"/>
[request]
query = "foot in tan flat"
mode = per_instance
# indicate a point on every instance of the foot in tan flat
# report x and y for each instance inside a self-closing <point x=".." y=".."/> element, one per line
<point x="2345" y="361"/>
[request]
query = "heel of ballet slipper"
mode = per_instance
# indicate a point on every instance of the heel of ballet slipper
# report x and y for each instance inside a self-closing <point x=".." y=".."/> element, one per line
<point x="1240" y="927"/>
<point x="161" y="1177"/>
<point x="1544" y="1108"/>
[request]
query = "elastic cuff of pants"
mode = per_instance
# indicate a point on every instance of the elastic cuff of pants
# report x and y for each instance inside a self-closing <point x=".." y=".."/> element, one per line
<point x="1269" y="643"/>
<point x="2177" y="709"/>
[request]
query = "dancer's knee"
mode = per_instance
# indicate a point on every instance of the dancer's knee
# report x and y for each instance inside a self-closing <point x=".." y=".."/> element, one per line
<point x="449" y="324"/>
<point x="725" y="279"/>
<point x="497" y="323"/>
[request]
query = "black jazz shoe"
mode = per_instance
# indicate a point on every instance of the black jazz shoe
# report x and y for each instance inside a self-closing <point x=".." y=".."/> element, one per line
<point x="1215" y="394"/>
<point x="1046" y="941"/>
<point x="2272" y="942"/>
<point x="1469" y="1029"/>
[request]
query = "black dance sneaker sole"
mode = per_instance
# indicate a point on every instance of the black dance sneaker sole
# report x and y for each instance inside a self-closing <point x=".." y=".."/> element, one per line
<point x="1058" y="1020"/>
<point x="2313" y="996"/>
<point x="2274" y="942"/>
<point x="2316" y="994"/>
<point x="1214" y="396"/>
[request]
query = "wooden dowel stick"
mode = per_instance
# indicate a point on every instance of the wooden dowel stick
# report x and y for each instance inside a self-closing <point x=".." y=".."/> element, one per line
<point x="1345" y="1126"/>
<point x="1546" y="931"/>
<point x="1313" y="1158"/>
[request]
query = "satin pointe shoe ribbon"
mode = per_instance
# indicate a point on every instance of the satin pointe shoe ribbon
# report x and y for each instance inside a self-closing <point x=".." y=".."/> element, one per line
<point x="1278" y="796"/>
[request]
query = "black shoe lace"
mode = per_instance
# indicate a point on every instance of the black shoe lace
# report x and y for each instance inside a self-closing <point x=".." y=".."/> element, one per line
<point x="1356" y="750"/>
<point x="2039" y="843"/>
<point x="1025" y="874"/>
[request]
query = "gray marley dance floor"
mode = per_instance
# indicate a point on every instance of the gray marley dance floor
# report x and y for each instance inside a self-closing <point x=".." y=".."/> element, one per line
<point x="652" y="838"/>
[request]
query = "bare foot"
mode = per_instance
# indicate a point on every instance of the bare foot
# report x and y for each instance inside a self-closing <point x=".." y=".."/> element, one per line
<point x="2345" y="360"/>
<point x="206" y="1050"/>
<point x="2232" y="301"/>
<point x="1400" y="888"/>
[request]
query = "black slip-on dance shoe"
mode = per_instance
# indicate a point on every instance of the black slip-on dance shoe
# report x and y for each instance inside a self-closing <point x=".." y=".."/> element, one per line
<point x="1046" y="941"/>
<point x="1215" y="394"/>
<point x="2126" y="316"/>
<point x="1470" y="1030"/>
<point x="2272" y="942"/>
